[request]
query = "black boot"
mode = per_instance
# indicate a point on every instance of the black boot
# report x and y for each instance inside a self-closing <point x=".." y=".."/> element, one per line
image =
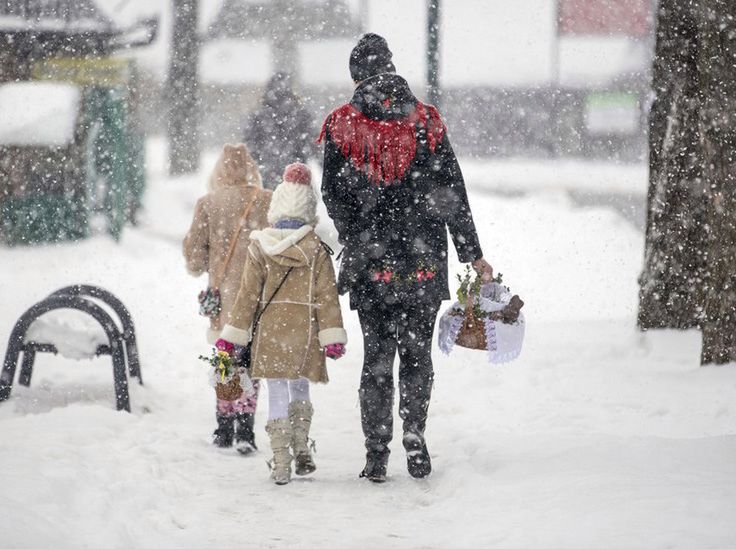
<point x="224" y="432"/>
<point x="376" y="411"/>
<point x="245" y="438"/>
<point x="375" y="466"/>
<point x="416" y="391"/>
<point x="376" y="461"/>
<point x="418" y="462"/>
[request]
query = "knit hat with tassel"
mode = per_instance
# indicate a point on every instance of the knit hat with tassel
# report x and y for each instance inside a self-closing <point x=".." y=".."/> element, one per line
<point x="294" y="197"/>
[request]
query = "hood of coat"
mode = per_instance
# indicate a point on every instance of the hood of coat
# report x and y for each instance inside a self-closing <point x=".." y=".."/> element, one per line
<point x="289" y="247"/>
<point x="235" y="167"/>
<point x="385" y="96"/>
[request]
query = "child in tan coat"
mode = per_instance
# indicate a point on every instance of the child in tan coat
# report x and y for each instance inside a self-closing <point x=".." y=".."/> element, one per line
<point x="289" y="291"/>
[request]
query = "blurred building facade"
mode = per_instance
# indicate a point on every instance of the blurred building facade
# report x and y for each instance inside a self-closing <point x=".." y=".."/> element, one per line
<point x="537" y="78"/>
<point x="71" y="143"/>
<point x="518" y="78"/>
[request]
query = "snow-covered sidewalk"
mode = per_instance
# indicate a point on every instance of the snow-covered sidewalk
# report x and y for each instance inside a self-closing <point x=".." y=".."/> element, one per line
<point x="597" y="436"/>
<point x="515" y="175"/>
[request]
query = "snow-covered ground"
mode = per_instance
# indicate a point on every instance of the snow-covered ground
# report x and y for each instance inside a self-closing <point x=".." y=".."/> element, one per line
<point x="597" y="436"/>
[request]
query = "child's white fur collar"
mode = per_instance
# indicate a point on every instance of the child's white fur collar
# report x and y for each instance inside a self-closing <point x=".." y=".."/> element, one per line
<point x="275" y="241"/>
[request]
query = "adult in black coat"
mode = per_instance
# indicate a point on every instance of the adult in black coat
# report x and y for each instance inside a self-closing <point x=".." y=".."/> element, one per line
<point x="280" y="132"/>
<point x="392" y="186"/>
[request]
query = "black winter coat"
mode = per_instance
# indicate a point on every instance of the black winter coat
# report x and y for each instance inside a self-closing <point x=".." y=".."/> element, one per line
<point x="392" y="185"/>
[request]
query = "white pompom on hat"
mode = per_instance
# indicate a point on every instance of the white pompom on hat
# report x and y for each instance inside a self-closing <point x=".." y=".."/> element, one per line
<point x="294" y="197"/>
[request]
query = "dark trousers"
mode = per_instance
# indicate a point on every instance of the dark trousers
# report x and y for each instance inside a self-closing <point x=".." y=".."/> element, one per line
<point x="407" y="329"/>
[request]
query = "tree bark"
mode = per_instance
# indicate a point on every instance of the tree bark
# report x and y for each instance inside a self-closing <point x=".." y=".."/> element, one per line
<point x="183" y="129"/>
<point x="433" y="52"/>
<point x="671" y="289"/>
<point x="284" y="49"/>
<point x="717" y="64"/>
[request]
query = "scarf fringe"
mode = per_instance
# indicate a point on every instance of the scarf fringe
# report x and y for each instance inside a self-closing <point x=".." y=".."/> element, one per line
<point x="383" y="149"/>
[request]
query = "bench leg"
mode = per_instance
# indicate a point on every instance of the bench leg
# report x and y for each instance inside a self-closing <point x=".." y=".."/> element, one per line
<point x="26" y="367"/>
<point x="6" y="383"/>
<point x="120" y="377"/>
<point x="11" y="361"/>
<point x="134" y="365"/>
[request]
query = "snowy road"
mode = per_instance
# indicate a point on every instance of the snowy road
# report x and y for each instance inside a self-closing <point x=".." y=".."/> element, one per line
<point x="596" y="437"/>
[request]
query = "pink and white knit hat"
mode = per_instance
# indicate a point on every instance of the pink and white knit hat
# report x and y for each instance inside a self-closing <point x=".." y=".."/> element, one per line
<point x="294" y="197"/>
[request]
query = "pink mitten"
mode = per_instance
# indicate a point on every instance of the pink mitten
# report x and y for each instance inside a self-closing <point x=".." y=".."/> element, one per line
<point x="334" y="350"/>
<point x="224" y="345"/>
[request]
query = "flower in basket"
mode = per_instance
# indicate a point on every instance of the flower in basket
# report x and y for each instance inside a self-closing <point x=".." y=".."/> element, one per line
<point x="473" y="285"/>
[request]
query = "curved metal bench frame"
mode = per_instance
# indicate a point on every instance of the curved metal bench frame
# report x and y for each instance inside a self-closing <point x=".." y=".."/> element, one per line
<point x="126" y="320"/>
<point x="16" y="345"/>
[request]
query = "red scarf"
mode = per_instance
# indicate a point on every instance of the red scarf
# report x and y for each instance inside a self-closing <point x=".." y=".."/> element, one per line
<point x="383" y="149"/>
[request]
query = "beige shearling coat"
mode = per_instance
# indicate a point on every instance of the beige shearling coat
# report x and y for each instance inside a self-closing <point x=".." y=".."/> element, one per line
<point x="234" y="184"/>
<point x="304" y="315"/>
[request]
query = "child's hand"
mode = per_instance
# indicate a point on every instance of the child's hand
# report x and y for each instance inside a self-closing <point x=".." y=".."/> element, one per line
<point x="334" y="350"/>
<point x="225" y="345"/>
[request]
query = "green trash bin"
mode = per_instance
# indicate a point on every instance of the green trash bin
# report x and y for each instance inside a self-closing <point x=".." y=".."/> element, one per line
<point x="116" y="158"/>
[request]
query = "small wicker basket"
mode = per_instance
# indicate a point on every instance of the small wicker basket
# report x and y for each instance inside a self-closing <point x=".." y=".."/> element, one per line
<point x="230" y="390"/>
<point x="472" y="334"/>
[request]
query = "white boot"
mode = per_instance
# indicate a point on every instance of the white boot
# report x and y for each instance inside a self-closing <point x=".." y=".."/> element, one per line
<point x="280" y="432"/>
<point x="300" y="414"/>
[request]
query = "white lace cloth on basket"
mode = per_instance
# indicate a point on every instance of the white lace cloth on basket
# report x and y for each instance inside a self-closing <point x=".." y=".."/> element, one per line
<point x="504" y="340"/>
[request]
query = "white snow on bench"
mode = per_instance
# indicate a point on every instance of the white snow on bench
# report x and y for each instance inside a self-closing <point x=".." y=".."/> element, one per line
<point x="38" y="113"/>
<point x="75" y="334"/>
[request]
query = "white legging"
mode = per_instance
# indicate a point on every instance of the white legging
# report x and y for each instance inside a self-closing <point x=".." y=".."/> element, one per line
<point x="283" y="391"/>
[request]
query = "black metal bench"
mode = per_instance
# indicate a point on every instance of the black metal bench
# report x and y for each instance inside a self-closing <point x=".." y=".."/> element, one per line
<point x="121" y="343"/>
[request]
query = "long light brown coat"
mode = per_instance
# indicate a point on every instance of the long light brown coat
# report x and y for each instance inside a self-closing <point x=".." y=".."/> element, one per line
<point x="303" y="317"/>
<point x="234" y="184"/>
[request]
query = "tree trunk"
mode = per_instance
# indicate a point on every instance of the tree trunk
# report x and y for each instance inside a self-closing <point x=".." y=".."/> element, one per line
<point x="284" y="51"/>
<point x="717" y="64"/>
<point x="671" y="288"/>
<point x="433" y="52"/>
<point x="183" y="90"/>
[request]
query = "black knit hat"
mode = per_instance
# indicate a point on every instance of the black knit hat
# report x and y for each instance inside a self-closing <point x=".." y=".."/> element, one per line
<point x="370" y="57"/>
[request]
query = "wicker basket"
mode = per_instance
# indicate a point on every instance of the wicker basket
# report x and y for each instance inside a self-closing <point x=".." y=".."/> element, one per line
<point x="230" y="390"/>
<point x="473" y="332"/>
